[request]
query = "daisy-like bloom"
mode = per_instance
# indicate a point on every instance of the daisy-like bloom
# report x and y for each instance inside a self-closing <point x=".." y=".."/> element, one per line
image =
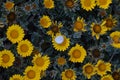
<point x="110" y="22"/>
<point x="88" y="5"/>
<point x="60" y="42"/>
<point x="31" y="73"/>
<point x="77" y="53"/>
<point x="15" y="33"/>
<point x="88" y="70"/>
<point x="16" y="77"/>
<point x="79" y="25"/>
<point x="116" y="75"/>
<point x="9" y="5"/>
<point x="68" y="74"/>
<point x="7" y="58"/>
<point x="107" y="77"/>
<point x="49" y="4"/>
<point x="98" y="29"/>
<point x="45" y="21"/>
<point x="41" y="62"/>
<point x="25" y="48"/>
<point x="55" y="28"/>
<point x="115" y="36"/>
<point x="103" y="3"/>
<point x="61" y="61"/>
<point x="102" y="67"/>
<point x="27" y="7"/>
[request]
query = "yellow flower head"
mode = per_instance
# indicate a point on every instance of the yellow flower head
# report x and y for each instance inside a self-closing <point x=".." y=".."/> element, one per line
<point x="9" y="5"/>
<point x="49" y="4"/>
<point x="60" y="42"/>
<point x="102" y="67"/>
<point x="68" y="74"/>
<point x="88" y="5"/>
<point x="16" y="77"/>
<point x="77" y="54"/>
<point x="45" y="21"/>
<point x="98" y="29"/>
<point x="25" y="48"/>
<point x="115" y="36"/>
<point x="79" y="25"/>
<point x="41" y="62"/>
<point x="61" y="61"/>
<point x="103" y="3"/>
<point x="15" y="33"/>
<point x="88" y="70"/>
<point x="31" y="73"/>
<point x="107" y="77"/>
<point x="7" y="58"/>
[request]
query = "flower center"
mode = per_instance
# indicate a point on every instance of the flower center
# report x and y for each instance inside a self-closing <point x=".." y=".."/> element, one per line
<point x="55" y="28"/>
<point x="61" y="61"/>
<point x="16" y="79"/>
<point x="24" y="48"/>
<point x="76" y="54"/>
<point x="103" y="2"/>
<point x="39" y="61"/>
<point x="116" y="39"/>
<point x="78" y="25"/>
<point x="31" y="74"/>
<point x="69" y="74"/>
<point x="9" y="5"/>
<point x="34" y="6"/>
<point x="87" y="3"/>
<point x="44" y="22"/>
<point x="88" y="69"/>
<point x="69" y="3"/>
<point x="97" y="28"/>
<point x="14" y="34"/>
<point x="96" y="53"/>
<point x="11" y="16"/>
<point x="102" y="67"/>
<point x="5" y="58"/>
<point x="27" y="8"/>
<point x="109" y="23"/>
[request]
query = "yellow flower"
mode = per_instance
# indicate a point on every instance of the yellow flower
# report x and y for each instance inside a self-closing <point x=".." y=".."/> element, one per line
<point x="68" y="74"/>
<point x="41" y="62"/>
<point x="15" y="33"/>
<point x="61" y="61"/>
<point x="49" y="4"/>
<point x="103" y="3"/>
<point x="88" y="5"/>
<point x="60" y="42"/>
<point x="115" y="36"/>
<point x="16" y="77"/>
<point x="79" y="25"/>
<point x="88" y="70"/>
<point x="9" y="5"/>
<point x="45" y="21"/>
<point x="107" y="77"/>
<point x="25" y="48"/>
<point x="31" y="73"/>
<point x="55" y="28"/>
<point x="77" y="54"/>
<point x="110" y="22"/>
<point x="102" y="67"/>
<point x="98" y="29"/>
<point x="7" y="58"/>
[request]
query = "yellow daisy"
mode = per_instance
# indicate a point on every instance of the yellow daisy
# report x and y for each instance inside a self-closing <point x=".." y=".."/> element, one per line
<point x="60" y="42"/>
<point x="7" y="58"/>
<point x="16" y="77"/>
<point x="77" y="54"/>
<point x="88" y="5"/>
<point x="115" y="36"/>
<point x="68" y="74"/>
<point x="110" y="22"/>
<point x="61" y="61"/>
<point x="55" y="28"/>
<point x="41" y="62"/>
<point x="49" y="4"/>
<point x="25" y="48"/>
<point x="15" y="33"/>
<point x="9" y="5"/>
<point x="103" y="3"/>
<point x="102" y="67"/>
<point x="88" y="70"/>
<point x="107" y="77"/>
<point x="31" y="73"/>
<point x="45" y="21"/>
<point x="98" y="29"/>
<point x="79" y="25"/>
